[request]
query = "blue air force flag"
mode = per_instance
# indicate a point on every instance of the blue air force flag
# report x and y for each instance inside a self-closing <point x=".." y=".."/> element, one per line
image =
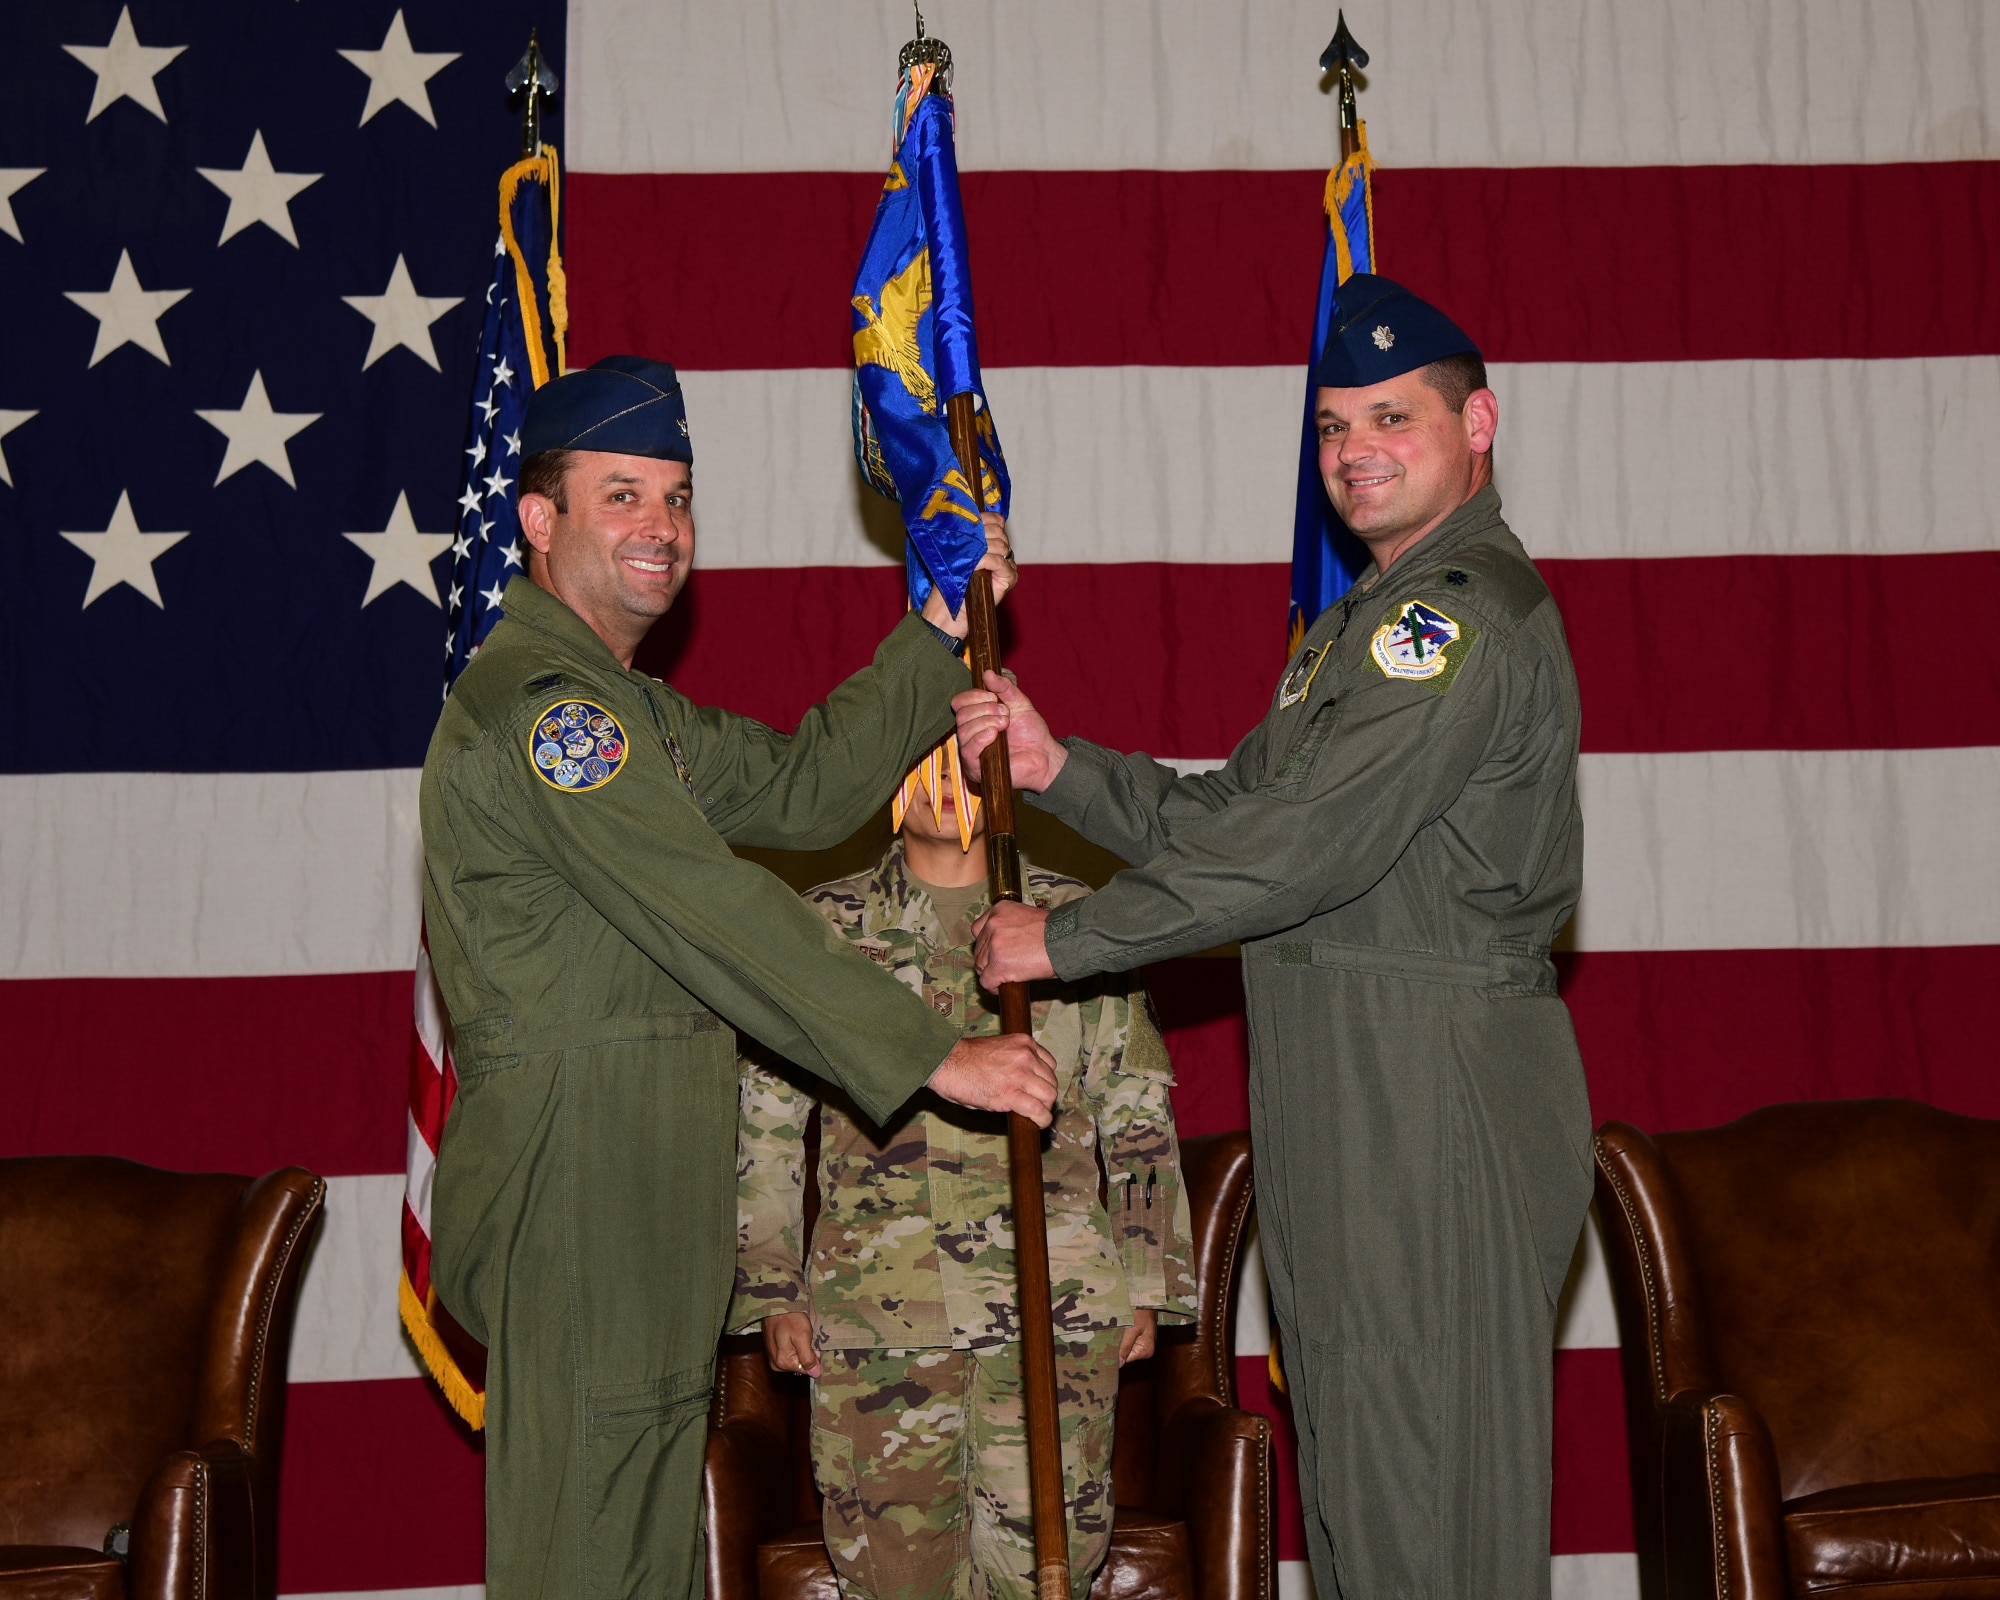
<point x="914" y="348"/>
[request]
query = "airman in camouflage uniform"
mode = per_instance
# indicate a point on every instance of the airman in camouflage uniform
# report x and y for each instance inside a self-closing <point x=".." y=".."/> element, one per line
<point x="918" y="1423"/>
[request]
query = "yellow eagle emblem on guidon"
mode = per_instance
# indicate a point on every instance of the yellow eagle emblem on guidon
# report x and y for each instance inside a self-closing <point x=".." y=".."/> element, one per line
<point x="890" y="337"/>
<point x="576" y="746"/>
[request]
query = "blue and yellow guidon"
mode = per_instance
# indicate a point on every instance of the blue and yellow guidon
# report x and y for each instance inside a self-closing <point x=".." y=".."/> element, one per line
<point x="576" y="746"/>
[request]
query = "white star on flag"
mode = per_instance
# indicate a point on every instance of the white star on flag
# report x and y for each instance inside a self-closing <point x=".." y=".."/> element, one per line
<point x="257" y="433"/>
<point x="493" y="596"/>
<point x="502" y="374"/>
<point x="125" y="68"/>
<point x="470" y="499"/>
<point x="122" y="554"/>
<point x="495" y="484"/>
<point x="401" y="554"/>
<point x="513" y="443"/>
<point x="512" y="554"/>
<point x="128" y="314"/>
<point x="401" y="317"/>
<point x="397" y="72"/>
<point x="259" y="194"/>
<point x="12" y="181"/>
<point x="9" y="421"/>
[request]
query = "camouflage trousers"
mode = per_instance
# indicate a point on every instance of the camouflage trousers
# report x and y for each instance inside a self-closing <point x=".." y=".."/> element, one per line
<point x="922" y="1456"/>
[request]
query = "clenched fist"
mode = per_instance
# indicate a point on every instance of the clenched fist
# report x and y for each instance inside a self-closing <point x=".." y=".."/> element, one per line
<point x="1009" y="1072"/>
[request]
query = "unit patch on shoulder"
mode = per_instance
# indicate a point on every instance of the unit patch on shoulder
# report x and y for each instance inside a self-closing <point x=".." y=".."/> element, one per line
<point x="576" y="745"/>
<point x="1420" y="642"/>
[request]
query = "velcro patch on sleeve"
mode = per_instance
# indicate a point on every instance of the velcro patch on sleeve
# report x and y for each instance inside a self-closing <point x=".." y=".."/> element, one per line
<point x="1420" y="643"/>
<point x="576" y="746"/>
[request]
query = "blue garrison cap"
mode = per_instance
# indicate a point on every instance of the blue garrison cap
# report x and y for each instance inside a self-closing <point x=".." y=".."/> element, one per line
<point x="1381" y="331"/>
<point x="624" y="405"/>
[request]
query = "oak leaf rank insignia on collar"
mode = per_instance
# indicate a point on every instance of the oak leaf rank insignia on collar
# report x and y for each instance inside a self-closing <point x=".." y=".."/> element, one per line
<point x="576" y="746"/>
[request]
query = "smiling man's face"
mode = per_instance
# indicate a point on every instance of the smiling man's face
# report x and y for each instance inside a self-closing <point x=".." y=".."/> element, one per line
<point x="618" y="550"/>
<point x="1397" y="460"/>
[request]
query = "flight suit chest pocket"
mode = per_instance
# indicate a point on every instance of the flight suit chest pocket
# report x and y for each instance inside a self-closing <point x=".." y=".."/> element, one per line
<point x="1295" y="763"/>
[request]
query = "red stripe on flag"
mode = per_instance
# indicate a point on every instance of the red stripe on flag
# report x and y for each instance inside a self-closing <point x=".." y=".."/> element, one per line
<point x="1591" y="1506"/>
<point x="1724" y="653"/>
<point x="382" y="1488"/>
<point x="1686" y="1038"/>
<point x="1220" y="268"/>
<point x="1780" y="652"/>
<point x="217" y="1074"/>
<point x="1691" y="1038"/>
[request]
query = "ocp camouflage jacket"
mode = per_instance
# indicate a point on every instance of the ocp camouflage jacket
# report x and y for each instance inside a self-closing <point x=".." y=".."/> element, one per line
<point x="914" y="1244"/>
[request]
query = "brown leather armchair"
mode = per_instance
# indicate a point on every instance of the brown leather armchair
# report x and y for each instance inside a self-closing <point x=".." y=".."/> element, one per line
<point x="1809" y="1300"/>
<point x="142" y="1376"/>
<point x="1191" y="1473"/>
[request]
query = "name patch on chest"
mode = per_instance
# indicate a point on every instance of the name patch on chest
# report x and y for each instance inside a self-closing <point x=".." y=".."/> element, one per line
<point x="576" y="746"/>
<point x="1299" y="681"/>
<point x="1421" y="643"/>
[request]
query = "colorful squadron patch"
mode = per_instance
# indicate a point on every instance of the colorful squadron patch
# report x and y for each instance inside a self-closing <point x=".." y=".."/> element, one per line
<point x="576" y="746"/>
<point x="1419" y="642"/>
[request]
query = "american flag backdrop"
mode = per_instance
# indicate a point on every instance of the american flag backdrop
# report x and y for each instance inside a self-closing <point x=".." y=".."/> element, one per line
<point x="1730" y="264"/>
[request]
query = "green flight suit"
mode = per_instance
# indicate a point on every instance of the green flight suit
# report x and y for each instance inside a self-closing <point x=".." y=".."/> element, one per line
<point x="1395" y="845"/>
<point x="595" y="946"/>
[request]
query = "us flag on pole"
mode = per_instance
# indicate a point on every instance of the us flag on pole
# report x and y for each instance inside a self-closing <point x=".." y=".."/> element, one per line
<point x="520" y="347"/>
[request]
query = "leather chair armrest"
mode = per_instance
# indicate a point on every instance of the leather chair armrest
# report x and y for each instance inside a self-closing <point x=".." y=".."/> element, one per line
<point x="746" y="1497"/>
<point x="1724" y="1519"/>
<point x="194" y="1535"/>
<point x="1226" y="1500"/>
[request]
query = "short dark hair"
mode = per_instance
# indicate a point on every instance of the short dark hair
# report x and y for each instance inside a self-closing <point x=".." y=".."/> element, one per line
<point x="546" y="473"/>
<point x="1454" y="377"/>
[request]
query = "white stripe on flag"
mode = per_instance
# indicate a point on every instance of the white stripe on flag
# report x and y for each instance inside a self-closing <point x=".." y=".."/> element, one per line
<point x="1198" y="464"/>
<point x="198" y="875"/>
<point x="349" y="1324"/>
<point x="157" y="874"/>
<point x="681" y="86"/>
<point x="1585" y="1318"/>
<point x="420" y="1172"/>
<point x="1769" y="850"/>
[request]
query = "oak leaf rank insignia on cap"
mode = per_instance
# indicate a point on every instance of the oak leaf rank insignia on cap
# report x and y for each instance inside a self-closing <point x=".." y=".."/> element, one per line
<point x="1380" y="331"/>
<point x="576" y="746"/>
<point x="1420" y="643"/>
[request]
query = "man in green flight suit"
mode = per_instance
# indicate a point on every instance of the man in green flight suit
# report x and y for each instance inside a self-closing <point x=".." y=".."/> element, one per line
<point x="1395" y="845"/>
<point x="596" y="943"/>
<point x="903" y="1306"/>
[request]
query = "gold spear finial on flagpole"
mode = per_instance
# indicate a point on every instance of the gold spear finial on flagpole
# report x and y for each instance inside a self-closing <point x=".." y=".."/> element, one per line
<point x="924" y="50"/>
<point x="1342" y="57"/>
<point x="535" y="81"/>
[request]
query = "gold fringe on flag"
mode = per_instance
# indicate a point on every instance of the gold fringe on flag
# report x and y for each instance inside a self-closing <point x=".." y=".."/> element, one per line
<point x="1340" y="182"/>
<point x="929" y="777"/>
<point x="468" y="1402"/>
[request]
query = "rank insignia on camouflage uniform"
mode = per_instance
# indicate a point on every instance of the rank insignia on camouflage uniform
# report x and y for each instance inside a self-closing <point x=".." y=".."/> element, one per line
<point x="1415" y="641"/>
<point x="576" y="746"/>
<point x="1299" y="681"/>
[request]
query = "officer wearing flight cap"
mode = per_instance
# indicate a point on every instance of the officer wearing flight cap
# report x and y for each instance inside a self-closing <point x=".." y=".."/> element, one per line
<point x="597" y="943"/>
<point x="1395" y="845"/>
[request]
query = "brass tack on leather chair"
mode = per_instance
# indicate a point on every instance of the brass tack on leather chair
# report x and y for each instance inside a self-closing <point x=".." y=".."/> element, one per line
<point x="1192" y="1474"/>
<point x="148" y="1316"/>
<point x="1809" y="1301"/>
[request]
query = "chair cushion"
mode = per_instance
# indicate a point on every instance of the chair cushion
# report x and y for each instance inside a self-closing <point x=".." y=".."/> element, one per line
<point x="59" y="1572"/>
<point x="1898" y="1541"/>
<point x="1149" y="1560"/>
<point x="795" y="1566"/>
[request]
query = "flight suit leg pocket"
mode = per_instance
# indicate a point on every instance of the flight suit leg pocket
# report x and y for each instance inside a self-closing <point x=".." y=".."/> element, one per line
<point x="643" y="1449"/>
<point x="1378" y="1422"/>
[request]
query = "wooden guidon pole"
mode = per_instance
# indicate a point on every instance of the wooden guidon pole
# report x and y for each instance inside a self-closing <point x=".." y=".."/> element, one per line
<point x="1024" y="1139"/>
